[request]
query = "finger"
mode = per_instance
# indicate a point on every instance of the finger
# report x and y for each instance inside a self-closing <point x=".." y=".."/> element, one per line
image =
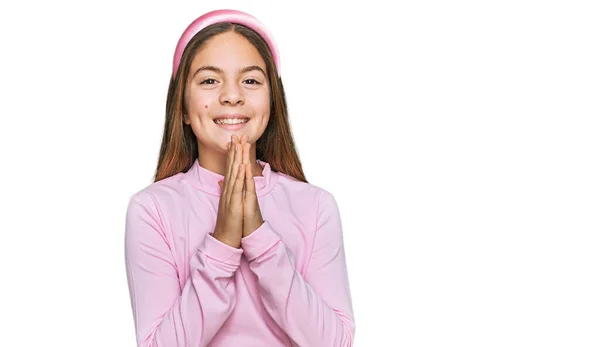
<point x="236" y="163"/>
<point x="239" y="153"/>
<point x="229" y="168"/>
<point x="237" y="193"/>
<point x="244" y="149"/>
<point x="250" y="187"/>
<point x="247" y="167"/>
<point x="244" y="186"/>
<point x="221" y="200"/>
<point x="223" y="184"/>
<point x="246" y="156"/>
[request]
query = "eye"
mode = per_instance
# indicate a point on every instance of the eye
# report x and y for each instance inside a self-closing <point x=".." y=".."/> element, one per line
<point x="254" y="81"/>
<point x="208" y="79"/>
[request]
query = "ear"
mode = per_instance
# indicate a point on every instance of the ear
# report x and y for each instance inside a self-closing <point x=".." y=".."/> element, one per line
<point x="186" y="119"/>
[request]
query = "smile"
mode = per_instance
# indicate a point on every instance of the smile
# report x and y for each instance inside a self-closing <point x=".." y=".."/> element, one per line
<point x="231" y="121"/>
<point x="231" y="124"/>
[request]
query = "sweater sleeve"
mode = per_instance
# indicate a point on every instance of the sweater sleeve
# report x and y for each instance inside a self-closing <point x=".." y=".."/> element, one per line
<point x="164" y="313"/>
<point x="315" y="310"/>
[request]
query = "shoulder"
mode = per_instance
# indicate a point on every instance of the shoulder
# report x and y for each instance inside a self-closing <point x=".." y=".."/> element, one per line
<point x="319" y="202"/>
<point x="159" y="192"/>
<point x="150" y="207"/>
<point x="295" y="188"/>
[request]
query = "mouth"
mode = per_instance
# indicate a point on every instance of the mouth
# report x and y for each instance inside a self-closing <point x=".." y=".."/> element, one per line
<point x="231" y="123"/>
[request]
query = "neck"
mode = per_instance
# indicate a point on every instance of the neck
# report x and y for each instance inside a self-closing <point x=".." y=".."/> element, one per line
<point x="216" y="161"/>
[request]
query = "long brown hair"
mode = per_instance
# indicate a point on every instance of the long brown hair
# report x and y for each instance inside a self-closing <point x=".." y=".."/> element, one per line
<point x="179" y="146"/>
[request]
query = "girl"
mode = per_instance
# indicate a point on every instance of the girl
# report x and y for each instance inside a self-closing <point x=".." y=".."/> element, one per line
<point x="231" y="246"/>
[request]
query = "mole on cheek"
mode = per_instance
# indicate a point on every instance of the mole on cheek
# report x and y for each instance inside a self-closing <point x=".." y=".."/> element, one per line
<point x="205" y="106"/>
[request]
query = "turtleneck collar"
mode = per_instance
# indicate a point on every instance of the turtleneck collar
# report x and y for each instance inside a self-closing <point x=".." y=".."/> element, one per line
<point x="207" y="181"/>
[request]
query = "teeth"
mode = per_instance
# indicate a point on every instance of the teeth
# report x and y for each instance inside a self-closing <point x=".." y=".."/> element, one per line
<point x="230" y="121"/>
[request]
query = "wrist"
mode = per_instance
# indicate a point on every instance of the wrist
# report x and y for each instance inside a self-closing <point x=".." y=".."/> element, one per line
<point x="226" y="239"/>
<point x="252" y="225"/>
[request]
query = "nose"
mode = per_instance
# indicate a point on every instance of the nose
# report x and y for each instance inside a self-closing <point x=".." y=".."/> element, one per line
<point x="231" y="94"/>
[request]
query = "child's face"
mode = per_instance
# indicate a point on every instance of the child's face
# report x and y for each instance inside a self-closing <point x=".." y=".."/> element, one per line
<point x="210" y="94"/>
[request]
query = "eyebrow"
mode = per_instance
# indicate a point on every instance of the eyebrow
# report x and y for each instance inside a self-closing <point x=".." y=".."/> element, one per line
<point x="220" y="71"/>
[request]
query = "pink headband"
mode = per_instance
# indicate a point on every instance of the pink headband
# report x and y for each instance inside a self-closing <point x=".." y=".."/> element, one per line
<point x="219" y="16"/>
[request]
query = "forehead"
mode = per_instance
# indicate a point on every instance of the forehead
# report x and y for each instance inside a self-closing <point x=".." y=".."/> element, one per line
<point x="228" y="50"/>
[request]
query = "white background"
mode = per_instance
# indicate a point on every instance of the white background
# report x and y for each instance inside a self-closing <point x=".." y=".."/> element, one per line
<point x="460" y="139"/>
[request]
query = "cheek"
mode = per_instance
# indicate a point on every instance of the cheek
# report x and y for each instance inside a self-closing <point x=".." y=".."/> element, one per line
<point x="262" y="104"/>
<point x="200" y="99"/>
<point x="266" y="112"/>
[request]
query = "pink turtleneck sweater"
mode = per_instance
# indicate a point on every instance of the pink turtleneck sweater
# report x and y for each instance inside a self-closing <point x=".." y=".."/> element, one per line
<point x="286" y="286"/>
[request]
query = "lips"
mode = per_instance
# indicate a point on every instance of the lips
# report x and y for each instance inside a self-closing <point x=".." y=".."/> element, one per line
<point x="231" y="116"/>
<point x="232" y="126"/>
<point x="234" y="120"/>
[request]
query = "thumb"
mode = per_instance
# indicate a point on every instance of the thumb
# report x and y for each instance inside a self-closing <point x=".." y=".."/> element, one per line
<point x="220" y="184"/>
